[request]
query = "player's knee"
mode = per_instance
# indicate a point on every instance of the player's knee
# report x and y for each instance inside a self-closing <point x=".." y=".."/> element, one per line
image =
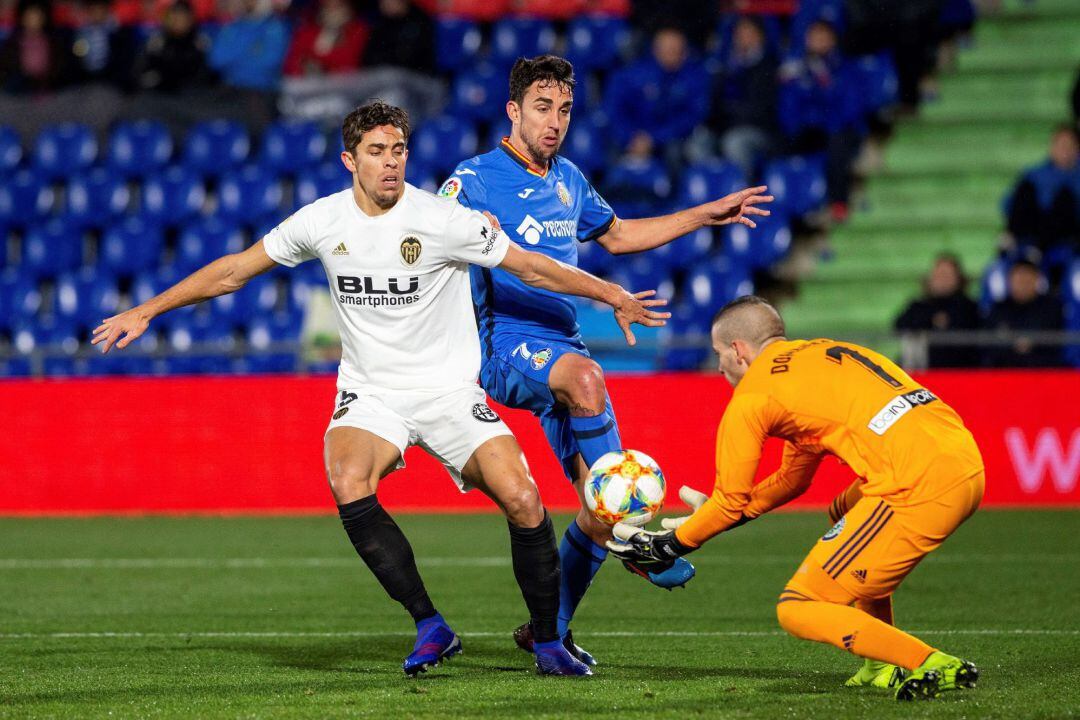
<point x="350" y="480"/>
<point x="597" y="531"/>
<point x="791" y="616"/>
<point x="522" y="504"/>
<point x="586" y="388"/>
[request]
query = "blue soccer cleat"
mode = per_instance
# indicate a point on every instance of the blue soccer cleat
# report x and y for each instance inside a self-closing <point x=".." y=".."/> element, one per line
<point x="680" y="573"/>
<point x="435" y="642"/>
<point x="523" y="636"/>
<point x="552" y="658"/>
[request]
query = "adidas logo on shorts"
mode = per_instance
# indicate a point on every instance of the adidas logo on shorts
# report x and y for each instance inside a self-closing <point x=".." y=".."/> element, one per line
<point x="859" y="575"/>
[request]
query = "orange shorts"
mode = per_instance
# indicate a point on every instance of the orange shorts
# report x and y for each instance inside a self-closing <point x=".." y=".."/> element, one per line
<point x="875" y="545"/>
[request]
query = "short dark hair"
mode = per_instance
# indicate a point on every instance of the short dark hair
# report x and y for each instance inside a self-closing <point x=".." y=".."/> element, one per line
<point x="545" y="69"/>
<point x="371" y="115"/>
<point x="761" y="324"/>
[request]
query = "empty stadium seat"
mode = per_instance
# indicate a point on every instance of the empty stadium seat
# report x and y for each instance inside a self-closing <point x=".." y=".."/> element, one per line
<point x="595" y="42"/>
<point x="766" y="244"/>
<point x="96" y="197"/>
<point x="216" y="147"/>
<point x="85" y="297"/>
<point x="204" y="241"/>
<point x="457" y="43"/>
<point x="290" y="145"/>
<point x="11" y="151"/>
<point x="705" y="181"/>
<point x="257" y="299"/>
<point x="515" y="37"/>
<point x="715" y="283"/>
<point x="637" y="187"/>
<point x="63" y="149"/>
<point x="20" y="297"/>
<point x="687" y="251"/>
<point x="130" y="247"/>
<point x="640" y="272"/>
<point x="685" y="338"/>
<point x="139" y="148"/>
<point x="266" y="335"/>
<point x="797" y="183"/>
<point x="249" y="194"/>
<point x="173" y="196"/>
<point x="585" y="144"/>
<point x="51" y="249"/>
<point x="25" y="198"/>
<point x="442" y="142"/>
<point x="593" y="258"/>
<point x="479" y="93"/>
<point x="200" y="343"/>
<point x="327" y="179"/>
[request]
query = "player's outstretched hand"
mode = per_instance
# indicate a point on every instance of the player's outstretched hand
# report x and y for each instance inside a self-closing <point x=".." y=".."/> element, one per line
<point x="691" y="497"/>
<point x="634" y="308"/>
<point x="736" y="207"/>
<point x="120" y="330"/>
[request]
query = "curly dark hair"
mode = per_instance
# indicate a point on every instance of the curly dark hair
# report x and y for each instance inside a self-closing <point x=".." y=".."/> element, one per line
<point x="372" y="115"/>
<point x="545" y="69"/>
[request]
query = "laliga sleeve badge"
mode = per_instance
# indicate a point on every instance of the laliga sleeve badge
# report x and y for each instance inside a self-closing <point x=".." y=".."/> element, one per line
<point x="451" y="188"/>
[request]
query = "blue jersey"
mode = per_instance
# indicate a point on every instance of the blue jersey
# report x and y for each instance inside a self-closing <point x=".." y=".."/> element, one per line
<point x="546" y="212"/>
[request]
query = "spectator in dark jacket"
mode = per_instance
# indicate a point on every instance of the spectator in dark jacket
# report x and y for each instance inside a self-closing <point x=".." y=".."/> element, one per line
<point x="744" y="97"/>
<point x="1025" y="308"/>
<point x="34" y="58"/>
<point x="403" y="36"/>
<point x="175" y="58"/>
<point x="821" y="109"/>
<point x="102" y="52"/>
<point x="1044" y="209"/>
<point x="944" y="306"/>
<point x="332" y="42"/>
<point x="657" y="102"/>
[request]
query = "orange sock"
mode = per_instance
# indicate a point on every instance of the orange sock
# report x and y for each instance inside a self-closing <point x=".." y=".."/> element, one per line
<point x="853" y="630"/>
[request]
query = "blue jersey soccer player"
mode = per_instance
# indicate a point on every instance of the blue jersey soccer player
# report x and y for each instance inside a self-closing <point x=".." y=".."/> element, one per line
<point x="534" y="357"/>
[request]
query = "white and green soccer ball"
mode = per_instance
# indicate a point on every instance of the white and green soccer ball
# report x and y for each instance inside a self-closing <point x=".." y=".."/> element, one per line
<point x="625" y="486"/>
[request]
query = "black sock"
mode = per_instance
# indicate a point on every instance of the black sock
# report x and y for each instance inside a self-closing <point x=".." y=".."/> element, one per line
<point x="383" y="547"/>
<point x="536" y="567"/>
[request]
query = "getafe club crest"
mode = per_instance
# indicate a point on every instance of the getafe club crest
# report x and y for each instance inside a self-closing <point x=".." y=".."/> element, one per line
<point x="410" y="250"/>
<point x="563" y="193"/>
<point x="540" y="358"/>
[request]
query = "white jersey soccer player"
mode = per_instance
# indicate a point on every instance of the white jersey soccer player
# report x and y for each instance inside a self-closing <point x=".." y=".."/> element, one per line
<point x="397" y="261"/>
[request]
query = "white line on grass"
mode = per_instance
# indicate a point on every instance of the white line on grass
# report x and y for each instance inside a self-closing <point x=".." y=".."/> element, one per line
<point x="486" y="633"/>
<point x="492" y="561"/>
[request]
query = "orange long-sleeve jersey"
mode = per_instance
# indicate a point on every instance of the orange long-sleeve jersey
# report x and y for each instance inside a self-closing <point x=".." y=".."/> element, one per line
<point x="828" y="397"/>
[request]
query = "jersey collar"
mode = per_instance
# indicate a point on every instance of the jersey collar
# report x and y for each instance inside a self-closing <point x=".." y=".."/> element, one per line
<point x="521" y="160"/>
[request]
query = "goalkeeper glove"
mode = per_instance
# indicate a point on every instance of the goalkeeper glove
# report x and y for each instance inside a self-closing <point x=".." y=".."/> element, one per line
<point x="691" y="497"/>
<point x="644" y="551"/>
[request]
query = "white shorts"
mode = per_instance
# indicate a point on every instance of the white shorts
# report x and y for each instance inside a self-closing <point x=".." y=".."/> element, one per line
<point x="449" y="426"/>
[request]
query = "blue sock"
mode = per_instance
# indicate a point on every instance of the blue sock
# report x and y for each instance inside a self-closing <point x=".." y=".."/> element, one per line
<point x="596" y="435"/>
<point x="580" y="558"/>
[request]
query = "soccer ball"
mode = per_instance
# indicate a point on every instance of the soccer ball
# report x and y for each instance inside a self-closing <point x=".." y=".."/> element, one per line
<point x="625" y="486"/>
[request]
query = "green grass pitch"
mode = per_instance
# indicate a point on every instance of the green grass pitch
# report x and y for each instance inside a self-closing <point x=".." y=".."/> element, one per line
<point x="276" y="617"/>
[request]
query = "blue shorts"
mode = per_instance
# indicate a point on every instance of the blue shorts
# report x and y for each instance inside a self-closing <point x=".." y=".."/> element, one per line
<point x="516" y="375"/>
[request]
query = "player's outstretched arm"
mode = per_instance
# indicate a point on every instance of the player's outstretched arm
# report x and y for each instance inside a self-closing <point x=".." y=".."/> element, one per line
<point x="628" y="236"/>
<point x="227" y="274"/>
<point x="541" y="271"/>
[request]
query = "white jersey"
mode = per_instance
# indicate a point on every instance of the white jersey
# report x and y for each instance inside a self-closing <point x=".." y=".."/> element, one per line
<point x="400" y="283"/>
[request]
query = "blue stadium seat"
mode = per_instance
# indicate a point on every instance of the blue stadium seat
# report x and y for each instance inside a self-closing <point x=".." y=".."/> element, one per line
<point x="131" y="247"/>
<point x="200" y="344"/>
<point x="11" y="151"/>
<point x="715" y="283"/>
<point x="256" y="299"/>
<point x="595" y="42"/>
<point x="52" y="337"/>
<point x="687" y="251"/>
<point x="442" y="142"/>
<point x="25" y="198"/>
<point x="709" y="180"/>
<point x="995" y="284"/>
<point x="685" y="338"/>
<point x="249" y="194"/>
<point x="215" y="147"/>
<point x="327" y="179"/>
<point x="139" y="148"/>
<point x="20" y="297"/>
<point x="514" y="37"/>
<point x="637" y="188"/>
<point x="205" y="241"/>
<point x="762" y="246"/>
<point x="96" y="197"/>
<point x="640" y="272"/>
<point x="880" y="85"/>
<point x="290" y="145"/>
<point x="147" y="285"/>
<point x="63" y="149"/>
<point x="585" y="144"/>
<point x="797" y="183"/>
<point x="85" y="297"/>
<point x="479" y="93"/>
<point x="173" y="196"/>
<point x="263" y="334"/>
<point x="457" y="43"/>
<point x="51" y="249"/>
<point x="593" y="258"/>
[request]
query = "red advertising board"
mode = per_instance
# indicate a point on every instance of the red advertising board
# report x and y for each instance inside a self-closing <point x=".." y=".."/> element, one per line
<point x="254" y="444"/>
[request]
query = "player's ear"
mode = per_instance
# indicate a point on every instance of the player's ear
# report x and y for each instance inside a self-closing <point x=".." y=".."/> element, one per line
<point x="349" y="161"/>
<point x="513" y="111"/>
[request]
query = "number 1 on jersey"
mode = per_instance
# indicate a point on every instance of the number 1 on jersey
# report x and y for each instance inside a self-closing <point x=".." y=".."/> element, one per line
<point x="837" y="352"/>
